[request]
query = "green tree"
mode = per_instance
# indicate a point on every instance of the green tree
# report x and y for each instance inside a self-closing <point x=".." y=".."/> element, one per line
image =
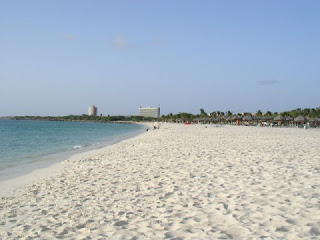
<point x="213" y="114"/>
<point x="229" y="113"/>
<point x="268" y="113"/>
<point x="186" y="116"/>
<point x="202" y="112"/>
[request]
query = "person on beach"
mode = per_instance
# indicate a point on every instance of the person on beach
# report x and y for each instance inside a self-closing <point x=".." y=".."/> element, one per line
<point x="156" y="125"/>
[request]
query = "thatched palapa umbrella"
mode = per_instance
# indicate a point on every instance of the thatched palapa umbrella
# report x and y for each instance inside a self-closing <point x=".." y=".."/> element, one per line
<point x="258" y="118"/>
<point x="237" y="119"/>
<point x="179" y="120"/>
<point x="229" y="119"/>
<point x="300" y="120"/>
<point x="248" y="118"/>
<point x="233" y="118"/>
<point x="213" y="119"/>
<point x="206" y="120"/>
<point x="315" y="121"/>
<point x="268" y="118"/>
<point x="279" y="119"/>
<point x="221" y="119"/>
<point x="195" y="120"/>
<point x="289" y="119"/>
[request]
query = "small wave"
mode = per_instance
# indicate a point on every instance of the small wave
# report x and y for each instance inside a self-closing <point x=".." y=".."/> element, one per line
<point x="77" y="147"/>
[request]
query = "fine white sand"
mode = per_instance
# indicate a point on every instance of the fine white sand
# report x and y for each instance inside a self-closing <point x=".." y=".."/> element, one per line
<point x="178" y="182"/>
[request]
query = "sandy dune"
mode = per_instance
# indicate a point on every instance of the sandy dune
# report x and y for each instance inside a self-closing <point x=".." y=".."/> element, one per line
<point x="179" y="182"/>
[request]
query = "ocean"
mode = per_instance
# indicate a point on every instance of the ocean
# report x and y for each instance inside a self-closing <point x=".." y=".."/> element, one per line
<point x="25" y="145"/>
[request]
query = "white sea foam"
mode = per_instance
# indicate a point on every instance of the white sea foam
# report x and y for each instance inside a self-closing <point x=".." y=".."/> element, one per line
<point x="77" y="147"/>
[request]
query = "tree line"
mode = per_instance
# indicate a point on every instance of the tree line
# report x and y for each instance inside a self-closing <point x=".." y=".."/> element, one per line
<point x="306" y="112"/>
<point x="85" y="118"/>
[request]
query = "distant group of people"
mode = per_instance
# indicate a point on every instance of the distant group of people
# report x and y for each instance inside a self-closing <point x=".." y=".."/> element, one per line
<point x="156" y="125"/>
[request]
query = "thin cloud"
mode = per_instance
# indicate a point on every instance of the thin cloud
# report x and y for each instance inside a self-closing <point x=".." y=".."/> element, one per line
<point x="120" y="42"/>
<point x="268" y="82"/>
<point x="68" y="37"/>
<point x="157" y="41"/>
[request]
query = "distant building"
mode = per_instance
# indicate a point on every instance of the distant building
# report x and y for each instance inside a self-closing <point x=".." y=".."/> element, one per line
<point x="93" y="110"/>
<point x="149" y="112"/>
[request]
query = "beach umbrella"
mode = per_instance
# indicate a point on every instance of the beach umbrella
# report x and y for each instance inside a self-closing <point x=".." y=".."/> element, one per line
<point x="288" y="118"/>
<point x="279" y="118"/>
<point x="237" y="118"/>
<point x="268" y="118"/>
<point x="206" y="120"/>
<point x="211" y="119"/>
<point x="262" y="118"/>
<point x="247" y="118"/>
<point x="258" y="118"/>
<point x="233" y="118"/>
<point x="300" y="119"/>
<point x="220" y="119"/>
<point x="315" y="120"/>
<point x="202" y="120"/>
<point x="214" y="119"/>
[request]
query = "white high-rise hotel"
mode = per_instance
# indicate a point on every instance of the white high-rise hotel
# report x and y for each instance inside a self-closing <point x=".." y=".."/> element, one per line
<point x="149" y="112"/>
<point x="93" y="110"/>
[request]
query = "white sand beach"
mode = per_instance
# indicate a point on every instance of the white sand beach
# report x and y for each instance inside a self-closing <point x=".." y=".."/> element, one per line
<point x="178" y="182"/>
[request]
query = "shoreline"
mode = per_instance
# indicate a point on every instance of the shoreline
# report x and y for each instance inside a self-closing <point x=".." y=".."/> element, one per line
<point x="23" y="175"/>
<point x="179" y="181"/>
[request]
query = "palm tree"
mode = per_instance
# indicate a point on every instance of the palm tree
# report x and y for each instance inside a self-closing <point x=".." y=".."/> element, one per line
<point x="213" y="114"/>
<point x="202" y="112"/>
<point x="228" y="113"/>
<point x="268" y="113"/>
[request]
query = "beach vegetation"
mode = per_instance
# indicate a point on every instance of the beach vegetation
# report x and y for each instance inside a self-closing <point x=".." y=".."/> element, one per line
<point x="268" y="113"/>
<point x="202" y="112"/>
<point x="179" y="117"/>
<point x="259" y="113"/>
<point x="229" y="113"/>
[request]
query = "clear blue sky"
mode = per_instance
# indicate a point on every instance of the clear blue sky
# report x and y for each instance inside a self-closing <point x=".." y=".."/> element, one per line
<point x="60" y="57"/>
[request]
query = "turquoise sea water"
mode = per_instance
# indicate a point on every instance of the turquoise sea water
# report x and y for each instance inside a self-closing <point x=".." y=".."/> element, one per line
<point x="25" y="142"/>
